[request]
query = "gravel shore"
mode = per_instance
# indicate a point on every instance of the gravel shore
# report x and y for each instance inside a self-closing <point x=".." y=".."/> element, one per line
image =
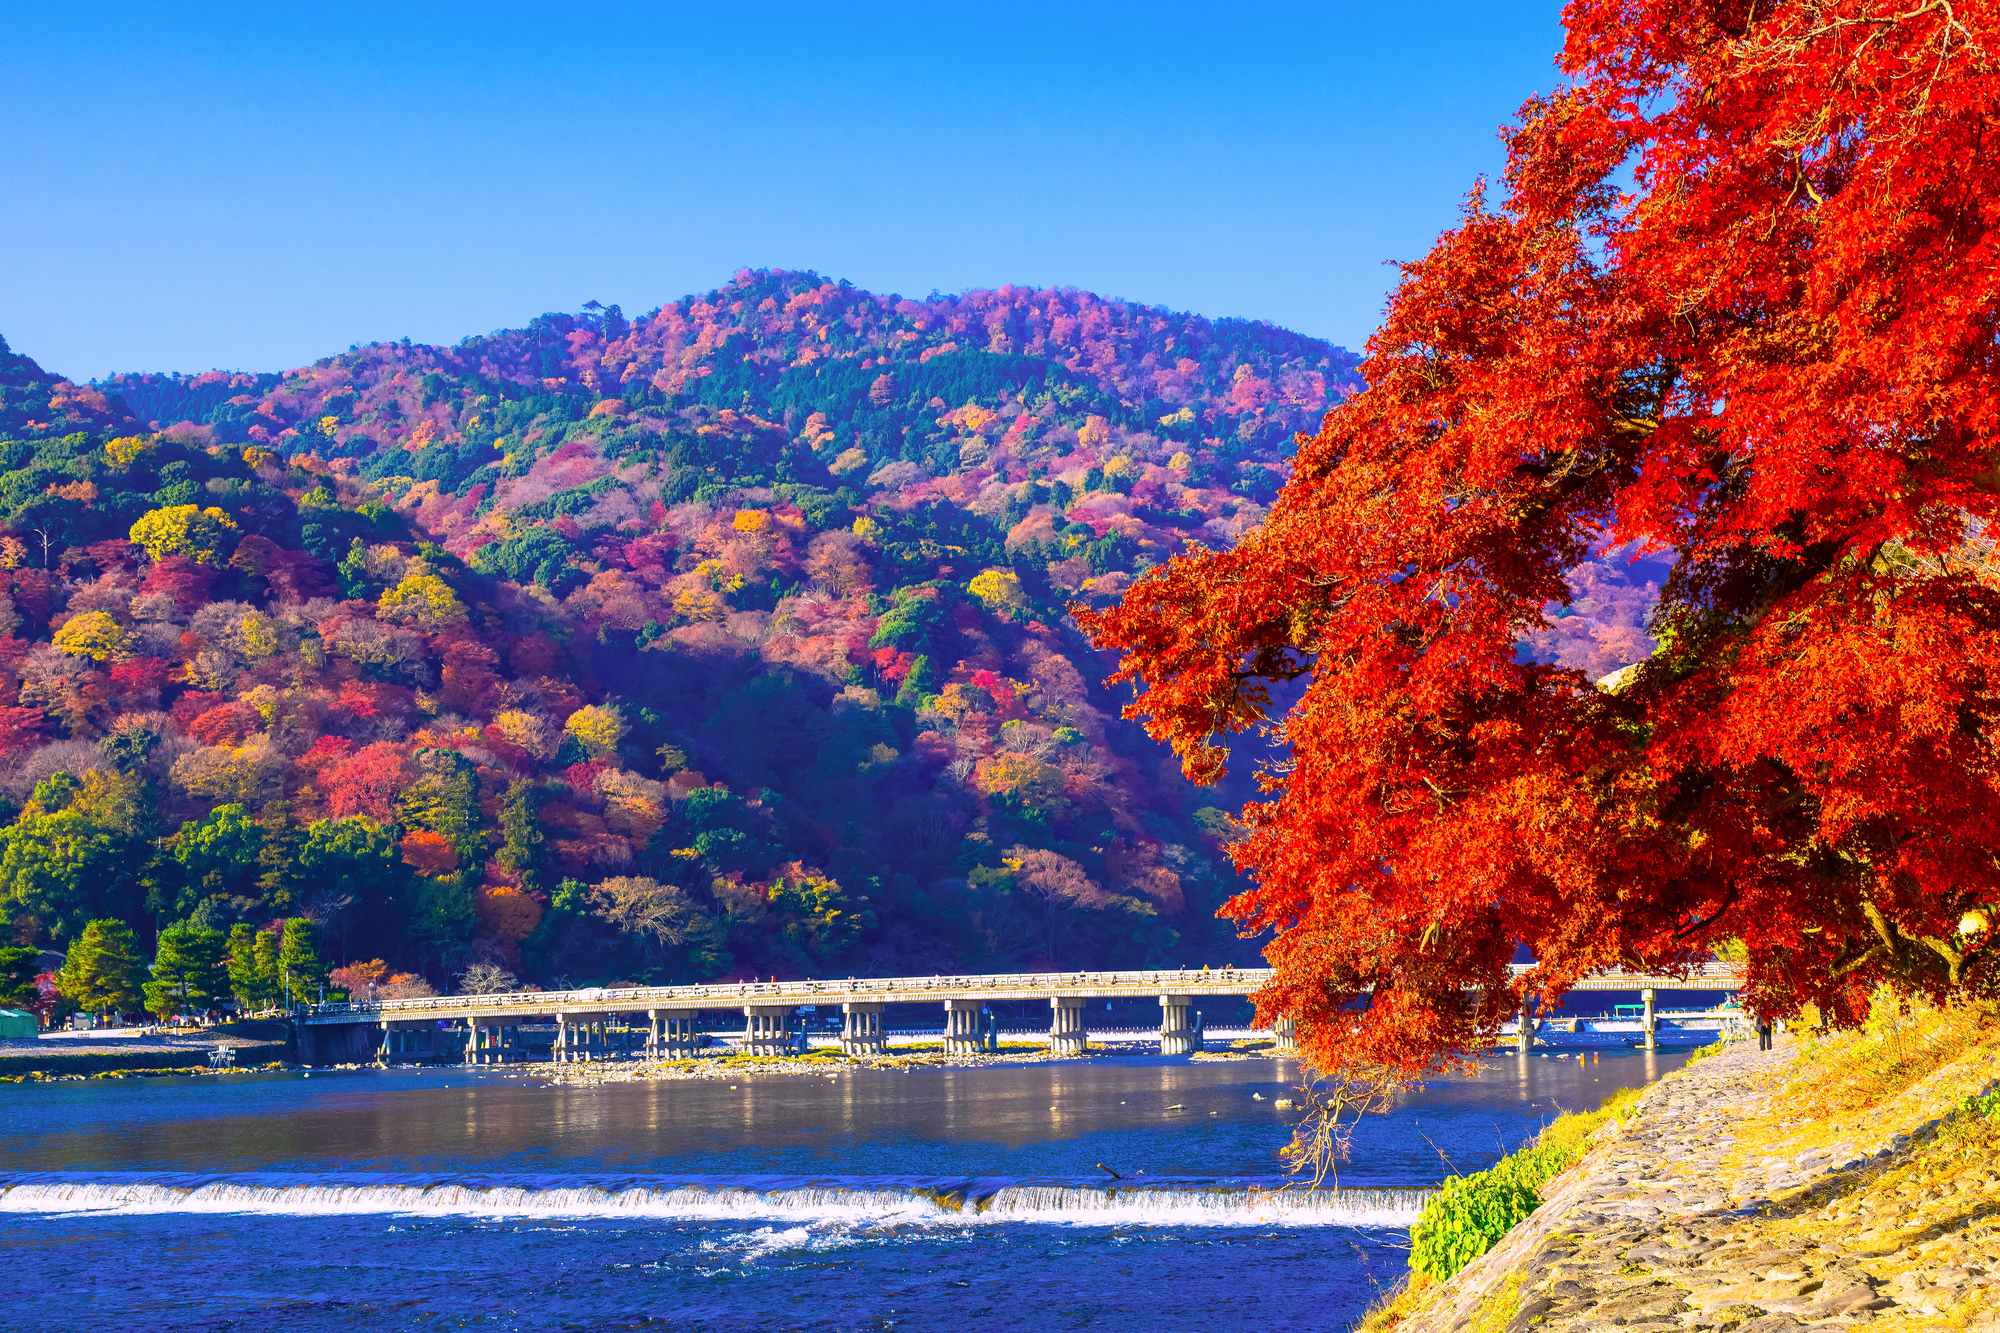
<point x="1735" y="1200"/>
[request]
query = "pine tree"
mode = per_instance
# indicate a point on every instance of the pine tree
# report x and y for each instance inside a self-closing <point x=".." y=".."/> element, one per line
<point x="244" y="982"/>
<point x="299" y="964"/>
<point x="521" y="851"/>
<point x="277" y="855"/>
<point x="188" y="970"/>
<point x="101" y="971"/>
<point x="269" y="970"/>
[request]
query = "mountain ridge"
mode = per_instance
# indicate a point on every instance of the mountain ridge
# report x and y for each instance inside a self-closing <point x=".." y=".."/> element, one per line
<point x="726" y="640"/>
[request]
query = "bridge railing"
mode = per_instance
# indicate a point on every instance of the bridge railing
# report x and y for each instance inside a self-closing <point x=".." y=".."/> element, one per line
<point x="932" y="989"/>
<point x="1207" y="981"/>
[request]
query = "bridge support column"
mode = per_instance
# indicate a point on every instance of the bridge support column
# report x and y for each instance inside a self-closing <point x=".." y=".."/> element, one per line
<point x="1652" y="1040"/>
<point x="1176" y="1037"/>
<point x="1066" y="1034"/>
<point x="861" y="1028"/>
<point x="766" y="1028"/>
<point x="1526" y="1035"/>
<point x="992" y="1034"/>
<point x="961" y="1027"/>
<point x="1285" y="1035"/>
<point x="673" y="1031"/>
<point x="560" y="1052"/>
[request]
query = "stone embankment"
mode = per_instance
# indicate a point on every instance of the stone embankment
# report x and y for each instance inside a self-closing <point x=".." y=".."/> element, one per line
<point x="1758" y="1193"/>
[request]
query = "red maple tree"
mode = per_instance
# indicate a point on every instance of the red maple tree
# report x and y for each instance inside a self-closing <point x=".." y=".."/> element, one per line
<point x="1736" y="303"/>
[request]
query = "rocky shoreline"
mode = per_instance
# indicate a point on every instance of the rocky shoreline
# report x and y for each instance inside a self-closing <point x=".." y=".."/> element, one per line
<point x="1728" y="1200"/>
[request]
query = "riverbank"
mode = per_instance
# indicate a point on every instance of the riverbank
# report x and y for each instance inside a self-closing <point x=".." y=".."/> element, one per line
<point x="253" y="1042"/>
<point x="1828" y="1182"/>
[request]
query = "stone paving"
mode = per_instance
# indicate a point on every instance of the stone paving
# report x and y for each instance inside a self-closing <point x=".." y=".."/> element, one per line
<point x="1666" y="1224"/>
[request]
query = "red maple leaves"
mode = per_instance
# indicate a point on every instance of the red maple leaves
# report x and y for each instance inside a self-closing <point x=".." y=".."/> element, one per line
<point x="1775" y="358"/>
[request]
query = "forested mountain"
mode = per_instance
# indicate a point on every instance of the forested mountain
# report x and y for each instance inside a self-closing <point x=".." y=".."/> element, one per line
<point x="727" y="640"/>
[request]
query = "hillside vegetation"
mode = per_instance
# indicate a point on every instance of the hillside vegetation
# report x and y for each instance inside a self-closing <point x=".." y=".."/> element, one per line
<point x="727" y="640"/>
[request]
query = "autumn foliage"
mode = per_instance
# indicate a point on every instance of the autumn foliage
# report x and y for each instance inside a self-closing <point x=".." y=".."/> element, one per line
<point x="1735" y="306"/>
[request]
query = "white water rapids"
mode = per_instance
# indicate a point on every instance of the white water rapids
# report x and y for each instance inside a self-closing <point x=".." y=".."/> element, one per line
<point x="860" y="1200"/>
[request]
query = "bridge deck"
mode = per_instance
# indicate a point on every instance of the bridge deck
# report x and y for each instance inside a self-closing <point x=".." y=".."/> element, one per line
<point x="1044" y="986"/>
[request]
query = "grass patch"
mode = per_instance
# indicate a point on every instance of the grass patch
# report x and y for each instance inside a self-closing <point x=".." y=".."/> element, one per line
<point x="1498" y="1310"/>
<point x="1469" y="1214"/>
<point x="1393" y="1307"/>
<point x="1839" y="1084"/>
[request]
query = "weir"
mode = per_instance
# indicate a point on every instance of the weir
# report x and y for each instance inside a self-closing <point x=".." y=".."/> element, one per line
<point x="598" y="1024"/>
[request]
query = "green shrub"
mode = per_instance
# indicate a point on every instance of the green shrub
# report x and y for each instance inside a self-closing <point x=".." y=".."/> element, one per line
<point x="1469" y="1214"/>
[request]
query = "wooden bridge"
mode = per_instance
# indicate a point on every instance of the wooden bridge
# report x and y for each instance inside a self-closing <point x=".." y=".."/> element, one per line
<point x="587" y="1021"/>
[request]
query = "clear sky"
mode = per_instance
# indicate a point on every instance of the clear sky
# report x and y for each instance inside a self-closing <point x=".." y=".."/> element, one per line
<point x="192" y="186"/>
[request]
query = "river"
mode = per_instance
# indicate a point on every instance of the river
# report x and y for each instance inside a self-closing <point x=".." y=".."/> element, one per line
<point x="973" y="1198"/>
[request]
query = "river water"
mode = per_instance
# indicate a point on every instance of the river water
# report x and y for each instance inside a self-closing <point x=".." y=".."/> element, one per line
<point x="943" y="1198"/>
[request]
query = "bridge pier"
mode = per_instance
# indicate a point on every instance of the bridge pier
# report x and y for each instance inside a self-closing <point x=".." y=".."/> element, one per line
<point x="1176" y="1036"/>
<point x="1066" y="1034"/>
<point x="1650" y="1025"/>
<point x="569" y="1047"/>
<point x="1285" y="1035"/>
<point x="861" y="1028"/>
<point x="767" y="1028"/>
<point x="672" y="1031"/>
<point x="1525" y="1036"/>
<point x="488" y="1043"/>
<point x="961" y="1027"/>
<point x="404" y="1042"/>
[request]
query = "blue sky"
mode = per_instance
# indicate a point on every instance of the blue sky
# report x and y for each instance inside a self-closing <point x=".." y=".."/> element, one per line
<point x="252" y="187"/>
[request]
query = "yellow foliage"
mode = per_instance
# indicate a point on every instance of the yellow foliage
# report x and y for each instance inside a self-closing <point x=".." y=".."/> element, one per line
<point x="692" y="604"/>
<point x="126" y="450"/>
<point x="999" y="589"/>
<point x="867" y="529"/>
<point x="1121" y="466"/>
<point x="328" y="425"/>
<point x="597" y="729"/>
<point x="94" y="634"/>
<point x="849" y="460"/>
<point x="752" y="520"/>
<point x="424" y="598"/>
<point x="260" y="637"/>
<point x="257" y="457"/>
<point x="1180" y="462"/>
<point x="525" y="730"/>
<point x="12" y="552"/>
<point x="187" y="530"/>
<point x="1095" y="430"/>
<point x="1026" y="779"/>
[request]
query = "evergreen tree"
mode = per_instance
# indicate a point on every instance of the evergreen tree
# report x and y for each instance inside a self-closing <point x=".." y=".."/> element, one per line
<point x="18" y="966"/>
<point x="269" y="971"/>
<point x="101" y="971"/>
<point x="277" y="855"/>
<point x="299" y="966"/>
<point x="188" y="971"/>
<point x="521" y="849"/>
<point x="246" y="983"/>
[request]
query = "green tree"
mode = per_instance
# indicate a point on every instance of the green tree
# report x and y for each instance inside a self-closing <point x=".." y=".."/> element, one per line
<point x="270" y="969"/>
<point x="277" y="855"/>
<point x="217" y="856"/>
<point x="188" y="971"/>
<point x="253" y="967"/>
<point x="102" y="968"/>
<point x="358" y="860"/>
<point x="444" y="799"/>
<point x="920" y="684"/>
<point x="300" y="967"/>
<point x="72" y="856"/>
<point x="521" y="834"/>
<point x="18" y="967"/>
